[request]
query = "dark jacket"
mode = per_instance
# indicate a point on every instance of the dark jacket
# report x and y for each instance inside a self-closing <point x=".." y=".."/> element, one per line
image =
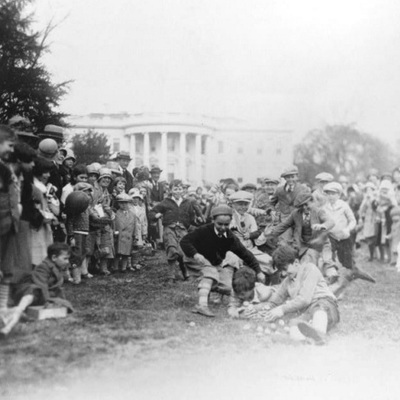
<point x="205" y="242"/>
<point x="295" y="220"/>
<point x="284" y="201"/>
<point x="172" y="213"/>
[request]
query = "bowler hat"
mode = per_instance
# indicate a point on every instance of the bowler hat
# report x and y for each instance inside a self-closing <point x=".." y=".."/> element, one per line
<point x="302" y="199"/>
<point x="292" y="170"/>
<point x="221" y="210"/>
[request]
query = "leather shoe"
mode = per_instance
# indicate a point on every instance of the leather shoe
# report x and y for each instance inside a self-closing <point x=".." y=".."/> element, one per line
<point x="203" y="310"/>
<point x="357" y="273"/>
<point x="310" y="332"/>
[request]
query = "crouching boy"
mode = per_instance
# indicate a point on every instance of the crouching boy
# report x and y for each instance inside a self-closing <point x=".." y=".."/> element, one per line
<point x="246" y="289"/>
<point x="304" y="293"/>
<point x="207" y="247"/>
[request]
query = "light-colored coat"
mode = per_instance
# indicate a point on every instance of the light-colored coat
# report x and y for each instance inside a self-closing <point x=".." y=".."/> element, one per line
<point x="126" y="224"/>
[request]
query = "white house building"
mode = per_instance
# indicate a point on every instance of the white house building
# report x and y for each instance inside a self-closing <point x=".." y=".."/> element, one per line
<point x="196" y="149"/>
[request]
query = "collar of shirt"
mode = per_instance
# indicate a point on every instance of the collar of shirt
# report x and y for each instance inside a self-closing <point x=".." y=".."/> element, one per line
<point x="289" y="188"/>
<point x="179" y="202"/>
<point x="219" y="235"/>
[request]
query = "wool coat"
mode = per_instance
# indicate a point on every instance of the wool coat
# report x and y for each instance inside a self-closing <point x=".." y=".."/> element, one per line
<point x="126" y="224"/>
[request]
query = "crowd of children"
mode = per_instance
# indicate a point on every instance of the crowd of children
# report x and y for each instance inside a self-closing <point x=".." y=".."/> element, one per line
<point x="281" y="244"/>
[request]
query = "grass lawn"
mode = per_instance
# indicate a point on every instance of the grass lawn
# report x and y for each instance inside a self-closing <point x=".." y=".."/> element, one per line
<point x="128" y="327"/>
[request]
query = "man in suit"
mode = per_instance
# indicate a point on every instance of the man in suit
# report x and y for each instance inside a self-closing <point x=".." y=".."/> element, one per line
<point x="123" y="158"/>
<point x="285" y="196"/>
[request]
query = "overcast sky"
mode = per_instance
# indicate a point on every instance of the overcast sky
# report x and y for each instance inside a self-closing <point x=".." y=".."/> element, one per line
<point x="280" y="63"/>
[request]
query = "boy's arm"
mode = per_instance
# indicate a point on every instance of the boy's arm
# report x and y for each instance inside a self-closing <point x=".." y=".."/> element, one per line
<point x="283" y="226"/>
<point x="40" y="277"/>
<point x="158" y="209"/>
<point x="188" y="243"/>
<point x="247" y="257"/>
<point x="308" y="283"/>
<point x="350" y="217"/>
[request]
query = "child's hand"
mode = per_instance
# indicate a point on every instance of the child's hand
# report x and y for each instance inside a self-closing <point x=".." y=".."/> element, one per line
<point x="72" y="242"/>
<point x="261" y="277"/>
<point x="158" y="215"/>
<point x="318" y="227"/>
<point x="246" y="236"/>
<point x="274" y="314"/>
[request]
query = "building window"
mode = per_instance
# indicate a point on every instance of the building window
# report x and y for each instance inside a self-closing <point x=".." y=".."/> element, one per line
<point x="240" y="148"/>
<point x="171" y="143"/>
<point x="116" y="145"/>
<point x="220" y="147"/>
<point x="203" y="146"/>
<point x="279" y="151"/>
<point x="240" y="180"/>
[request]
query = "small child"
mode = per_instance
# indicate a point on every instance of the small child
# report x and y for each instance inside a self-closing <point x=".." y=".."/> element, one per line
<point x="78" y="210"/>
<point x="125" y="232"/>
<point x="304" y="293"/>
<point x="43" y="287"/>
<point x="245" y="288"/>
<point x="139" y="209"/>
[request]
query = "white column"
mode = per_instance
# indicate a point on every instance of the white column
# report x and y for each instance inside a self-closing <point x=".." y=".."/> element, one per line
<point x="182" y="156"/>
<point x="210" y="157"/>
<point x="146" y="149"/>
<point x="197" y="160"/>
<point x="164" y="152"/>
<point x="132" y="149"/>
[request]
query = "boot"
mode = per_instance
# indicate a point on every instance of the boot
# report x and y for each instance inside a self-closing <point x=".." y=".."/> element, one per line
<point x="183" y="268"/>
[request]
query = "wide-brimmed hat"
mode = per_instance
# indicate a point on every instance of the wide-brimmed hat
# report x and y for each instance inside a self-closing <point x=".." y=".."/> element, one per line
<point x="324" y="177"/>
<point x="241" y="195"/>
<point x="53" y="132"/>
<point x="302" y="199"/>
<point x="333" y="187"/>
<point x="221" y="210"/>
<point x="123" y="155"/>
<point x="48" y="148"/>
<point x="104" y="173"/>
<point x="292" y="170"/>
<point x="155" y="168"/>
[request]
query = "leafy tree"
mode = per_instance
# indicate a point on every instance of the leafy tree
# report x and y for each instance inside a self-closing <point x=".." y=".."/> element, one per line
<point x="26" y="88"/>
<point x="341" y="150"/>
<point x="90" y="147"/>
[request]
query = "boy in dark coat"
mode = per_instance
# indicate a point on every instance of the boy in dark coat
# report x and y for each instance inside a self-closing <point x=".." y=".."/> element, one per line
<point x="208" y="246"/>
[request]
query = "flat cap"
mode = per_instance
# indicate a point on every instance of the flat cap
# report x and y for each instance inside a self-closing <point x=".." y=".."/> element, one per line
<point x="333" y="187"/>
<point x="221" y="210"/>
<point x="241" y="195"/>
<point x="324" y="177"/>
<point x="302" y="199"/>
<point x="292" y="170"/>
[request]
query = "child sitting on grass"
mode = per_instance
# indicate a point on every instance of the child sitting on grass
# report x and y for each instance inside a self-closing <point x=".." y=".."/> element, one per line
<point x="304" y="293"/>
<point x="43" y="287"/>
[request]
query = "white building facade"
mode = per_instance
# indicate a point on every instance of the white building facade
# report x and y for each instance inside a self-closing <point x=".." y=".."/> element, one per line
<point x="196" y="149"/>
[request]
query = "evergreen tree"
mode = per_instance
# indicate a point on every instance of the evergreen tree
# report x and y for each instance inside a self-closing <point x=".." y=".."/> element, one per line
<point x="26" y="87"/>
